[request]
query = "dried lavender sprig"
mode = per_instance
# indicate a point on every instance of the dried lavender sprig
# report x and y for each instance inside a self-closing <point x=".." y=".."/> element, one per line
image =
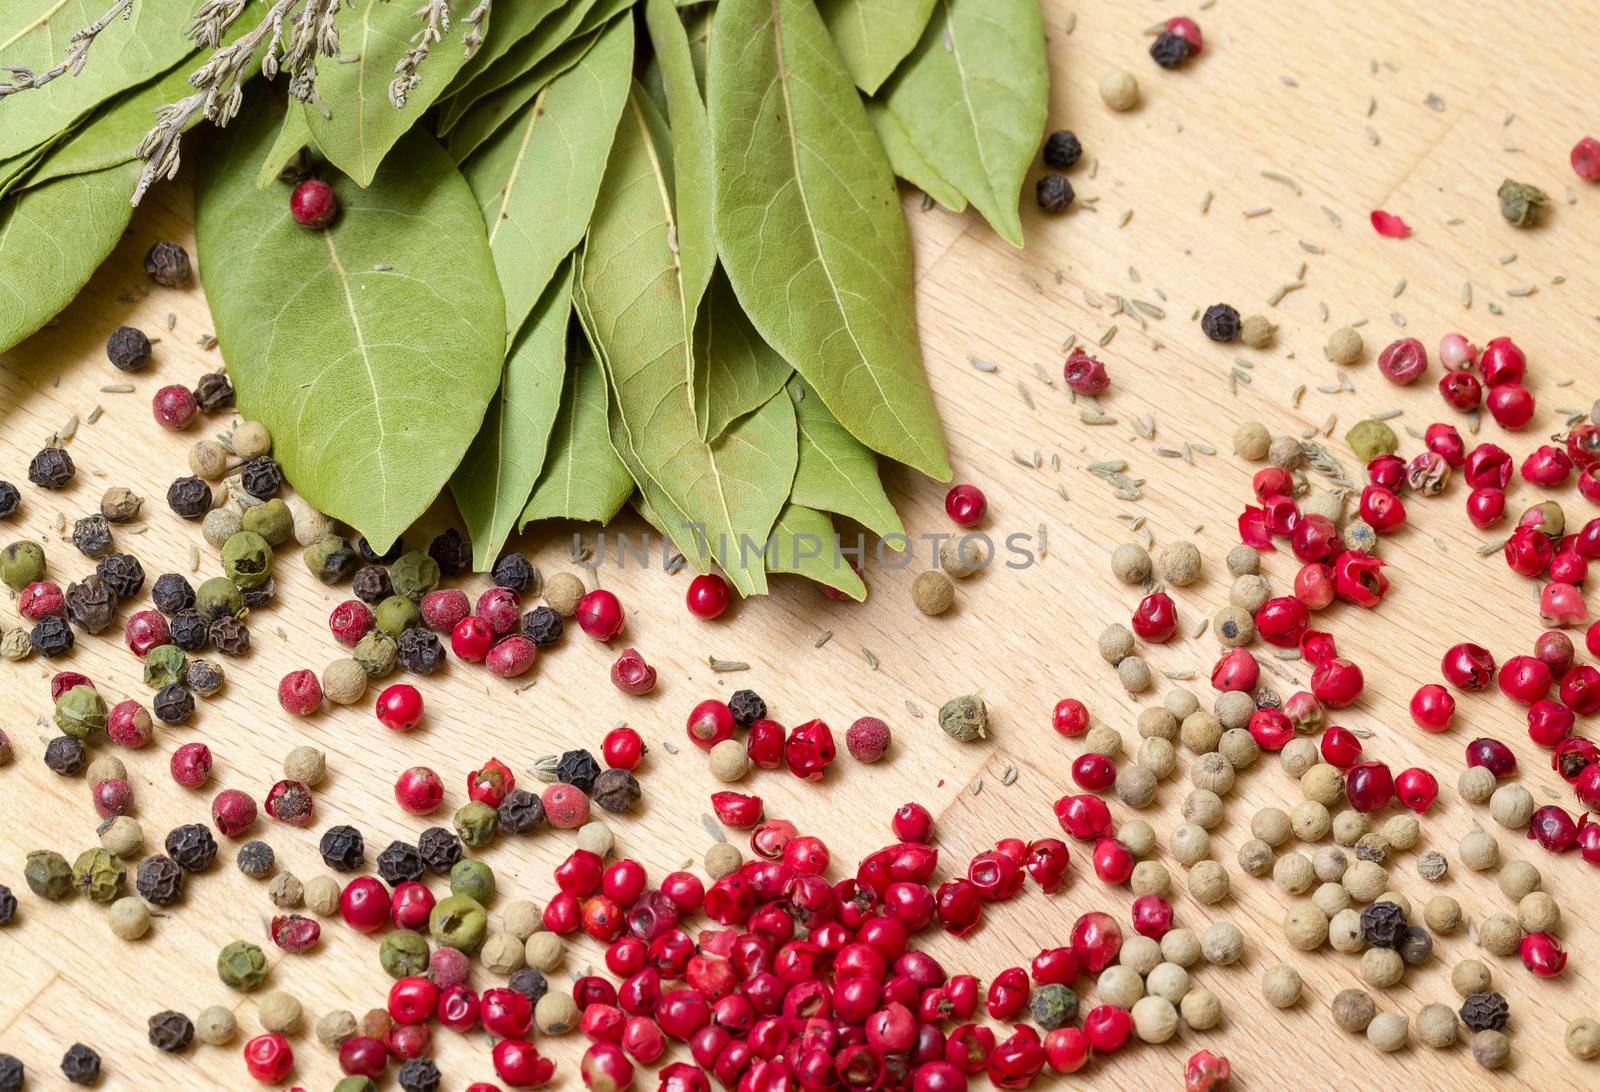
<point x="477" y="20"/>
<point x="435" y="15"/>
<point x="25" y="79"/>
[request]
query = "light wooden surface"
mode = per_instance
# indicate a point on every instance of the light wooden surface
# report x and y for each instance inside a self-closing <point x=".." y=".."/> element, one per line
<point x="1280" y="87"/>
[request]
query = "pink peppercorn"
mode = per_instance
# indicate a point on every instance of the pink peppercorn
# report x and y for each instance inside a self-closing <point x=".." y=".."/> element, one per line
<point x="1511" y="405"/>
<point x="1107" y="1027"/>
<point x="1236" y="670"/>
<point x="1066" y="1049"/>
<point x="738" y="810"/>
<point x="364" y="904"/>
<point x="1528" y="551"/>
<point x="1206" y="1072"/>
<point x="710" y="722"/>
<point x="1443" y="440"/>
<point x="764" y="744"/>
<point x="291" y="802"/>
<point x="1586" y="159"/>
<point x="631" y="675"/>
<point x="1524" y="679"/>
<point x="1486" y="506"/>
<point x="1281" y="621"/>
<point x="1502" y="362"/>
<point x="41" y="599"/>
<point x="1432" y="708"/>
<point x="1304" y="711"/>
<point x="191" y="765"/>
<point x="313" y="204"/>
<point x="1416" y="789"/>
<point x="622" y="748"/>
<point x="300" y="693"/>
<point x="1368" y="786"/>
<point x="1542" y="954"/>
<point x="418" y="790"/>
<point x="1382" y="509"/>
<point x="1567" y="567"/>
<point x="1468" y="667"/>
<point x="1461" y="390"/>
<point x="471" y="639"/>
<point x="1340" y="746"/>
<point x="350" y="621"/>
<point x="1097" y="939"/>
<point x="1337" y="682"/>
<point x="1070" y="717"/>
<point x="449" y="968"/>
<point x="1083" y="816"/>
<point x="1403" y="361"/>
<point x="1388" y="471"/>
<point x="443" y="609"/>
<point x="566" y="806"/>
<point x="1156" y="618"/>
<point x="1580" y="689"/>
<point x="867" y="739"/>
<point x="501" y="608"/>
<point x="600" y="615"/>
<point x="144" y="631"/>
<point x="1549" y="722"/>
<point x="912" y="823"/>
<point x="269" y="1058"/>
<point x="1314" y="585"/>
<point x="1152" y="916"/>
<point x="708" y="596"/>
<point x="1271" y="481"/>
<point x="965" y="505"/>
<point x="410" y="906"/>
<point x="1315" y="538"/>
<point x="233" y="811"/>
<point x="1547" y="466"/>
<point x="809" y="750"/>
<point x="1583" y="445"/>
<point x="112" y="796"/>
<point x="1317" y="646"/>
<point x="1186" y="28"/>
<point x="399" y="707"/>
<point x="1084" y="374"/>
<point x="1455" y="351"/>
<point x="1271" y="729"/>
<point x="1553" y="829"/>
<point x="174" y="407"/>
<point x="1492" y="755"/>
<point x="128" y="724"/>
<point x="1358" y="578"/>
<point x="1094" y="772"/>
<point x="511" y="657"/>
<point x="1487" y="465"/>
<point x="1561" y="604"/>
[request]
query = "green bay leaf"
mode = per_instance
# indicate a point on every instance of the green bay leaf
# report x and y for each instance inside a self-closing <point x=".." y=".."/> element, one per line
<point x="582" y="478"/>
<point x="804" y="544"/>
<point x="370" y="349"/>
<point x="486" y="116"/>
<point x="496" y="477"/>
<point x="293" y="136"/>
<point x="874" y="36"/>
<point x="535" y="181"/>
<point x="510" y="24"/>
<point x="907" y="160"/>
<point x="810" y="226"/>
<point x="734" y="370"/>
<point x="836" y="473"/>
<point x="973" y="96"/>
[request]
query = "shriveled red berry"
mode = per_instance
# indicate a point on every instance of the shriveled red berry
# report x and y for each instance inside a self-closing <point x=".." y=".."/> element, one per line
<point x="1468" y="667"/>
<point x="1502" y="362"/>
<point x="511" y="656"/>
<point x="443" y="609"/>
<point x="1416" y="789"/>
<point x="129" y="724"/>
<point x="290" y="801"/>
<point x="1586" y="159"/>
<point x="1368" y="786"/>
<point x="1156" y="618"/>
<point x="313" y="204"/>
<point x="1432" y="708"/>
<point x="471" y="639"/>
<point x="350" y="621"/>
<point x="145" y="630"/>
<point x="966" y="505"/>
<point x="1461" y="390"/>
<point x="631" y="675"/>
<point x="233" y="811"/>
<point x="566" y="806"/>
<point x="1070" y="717"/>
<point x="269" y="1058"/>
<point x="809" y="750"/>
<point x="1084" y="374"/>
<point x="1337" y="682"/>
<point x="1511" y="405"/>
<point x="300" y="693"/>
<point x="1403" y="361"/>
<point x="191" y="765"/>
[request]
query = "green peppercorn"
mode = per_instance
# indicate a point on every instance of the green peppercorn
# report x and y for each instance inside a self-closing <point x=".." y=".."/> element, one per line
<point x="48" y="874"/>
<point x="99" y="874"/>
<point x="459" y="922"/>
<point x="476" y="823"/>
<point x="1371" y="438"/>
<point x="219" y="597"/>
<point x="271" y="519"/>
<point x="330" y="558"/>
<point x="21" y="563"/>
<point x="965" y="719"/>
<point x="247" y="559"/>
<point x="165" y="665"/>
<point x="376" y="654"/>
<point x="413" y="575"/>
<point x="355" y="1084"/>
<point x="242" y="965"/>
<point x="1523" y="205"/>
<point x="473" y="879"/>
<point x="396" y="614"/>
<point x="81" y="712"/>
<point x="403" y="953"/>
<point x="1053" y="1006"/>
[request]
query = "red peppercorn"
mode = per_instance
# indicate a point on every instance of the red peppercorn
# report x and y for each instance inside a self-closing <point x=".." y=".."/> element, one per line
<point x="1152" y="916"/>
<point x="765" y="743"/>
<point x="1314" y="585"/>
<point x="1018" y="1060"/>
<point x="128" y="724"/>
<point x="112" y="796"/>
<point x="145" y="630"/>
<point x="472" y="639"/>
<point x="631" y="675"/>
<point x="1368" y="786"/>
<point x="1468" y="667"/>
<point x="443" y="609"/>
<point x="737" y="810"/>
<point x="418" y="790"/>
<point x="399" y="707"/>
<point x="1336" y="683"/>
<point x="1066" y="1049"/>
<point x="600" y="615"/>
<point x="412" y="999"/>
<point x="1388" y="471"/>
<point x="1443" y="440"/>
<point x="1271" y="728"/>
<point x="1382" y="509"/>
<point x="501" y="608"/>
<point x="350" y="621"/>
<point x="1340" y="747"/>
<point x="1083" y="817"/>
<point x="520" y="1065"/>
<point x="1493" y="755"/>
<point x="269" y="1058"/>
<point x="363" y="1056"/>
<point x="1094" y="772"/>
<point x="1107" y="1027"/>
<point x="1316" y="647"/>
<point x="410" y="906"/>
<point x="1206" y="1072"/>
<point x="1549" y="722"/>
<point x="966" y="504"/>
<point x="44" y="598"/>
<point x="1547" y="466"/>
<point x="313" y="204"/>
<point x="1432" y="708"/>
<point x="1272" y="481"/>
<point x="566" y="806"/>
<point x="1486" y="506"/>
<point x="191" y="765"/>
<point x="300" y="693"/>
<point x="1304" y="711"/>
<point x="1580" y="689"/>
<point x="1511" y="405"/>
<point x="1416" y="789"/>
<point x="364" y="904"/>
<point x="1586" y="159"/>
<point x="1502" y="362"/>
<point x="1461" y="390"/>
<point x="1070" y="717"/>
<point x="1487" y="465"/>
<point x="1236" y="670"/>
<point x="1281" y="621"/>
<point x="233" y="811"/>
<point x="912" y="823"/>
<point x="623" y="748"/>
<point x="1097" y="940"/>
<point x="291" y="802"/>
<point x="294" y="933"/>
<point x="809" y="750"/>
<point x="1553" y="829"/>
<point x="1562" y="604"/>
<point x="1315" y="538"/>
<point x="1403" y="361"/>
<point x="1542" y="954"/>
<point x="708" y="596"/>
<point x="867" y="739"/>
<point x="710" y="723"/>
<point x="511" y="656"/>
<point x="458" y="1007"/>
<point x="1568" y="567"/>
<point x="959" y="906"/>
<point x="1524" y="679"/>
<point x="175" y="407"/>
<point x="1156" y="618"/>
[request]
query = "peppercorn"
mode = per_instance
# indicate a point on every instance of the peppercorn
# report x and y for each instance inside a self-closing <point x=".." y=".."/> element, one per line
<point x="1345" y="347"/>
<point x="965" y="719"/>
<point x="414" y="575"/>
<point x="1169" y="50"/>
<point x="167" y="264"/>
<point x="1370" y="439"/>
<point x="1583" y="1038"/>
<point x="440" y="850"/>
<point x="419" y="1075"/>
<point x="1222" y="943"/>
<point x="191" y="846"/>
<point x="17" y="644"/>
<point x="501" y="954"/>
<point x="396" y="614"/>
<point x="170" y="1032"/>
<point x="616" y="791"/>
<point x="1511" y="806"/>
<point x="165" y="664"/>
<point x="530" y="981"/>
<point x="1521" y="204"/>
<point x="1220" y="322"/>
<point x="563" y="592"/>
<point x="475" y="823"/>
<point x="1490" y="1049"/>
<point x="214" y="1025"/>
<point x="51" y="469"/>
<point x="343" y="848"/>
<point x="746" y="707"/>
<point x="1134" y="674"/>
<point x="10" y="499"/>
<point x="596" y="837"/>
<point x="189" y="498"/>
<point x="242" y="965"/>
<point x="247" y="560"/>
<point x="92" y="536"/>
<point x="330" y="559"/>
<point x="213" y="392"/>
<point x="1479" y="851"/>
<point x="8" y="905"/>
<point x="173" y="704"/>
<point x="1062" y="150"/>
<point x="99" y="875"/>
<point x="1388" y="1031"/>
<point x="172" y="593"/>
<point x="256" y="859"/>
<point x="403" y="953"/>
<point x="81" y="1065"/>
<point x="520" y="812"/>
<point x="159" y="880"/>
<point x="459" y="922"/>
<point x="1119" y="89"/>
<point x="48" y="874"/>
<point x="377" y="654"/>
<point x="262" y="477"/>
<point x="1353" y="1010"/>
<point x="65" y="755"/>
<point x="1053" y="1006"/>
<point x="399" y="862"/>
<point x="1054" y="194"/>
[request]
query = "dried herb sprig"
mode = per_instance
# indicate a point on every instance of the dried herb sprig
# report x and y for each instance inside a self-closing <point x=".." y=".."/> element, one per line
<point x="26" y="79"/>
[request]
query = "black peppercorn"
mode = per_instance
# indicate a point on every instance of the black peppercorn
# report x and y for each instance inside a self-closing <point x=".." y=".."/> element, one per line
<point x="373" y="557"/>
<point x="343" y="848"/>
<point x="1169" y="50"/>
<point x="520" y="812"/>
<point x="262" y="477"/>
<point x="159" y="880"/>
<point x="1220" y="322"/>
<point x="10" y="497"/>
<point x="189" y="497"/>
<point x="514" y="571"/>
<point x="542" y="626"/>
<point x="12" y="1074"/>
<point x="171" y="593"/>
<point x="440" y="849"/>
<point x="192" y="847"/>
<point x="451" y="551"/>
<point x="419" y="1075"/>
<point x="81" y="1065"/>
<point x="214" y="392"/>
<point x="167" y="264"/>
<point x="189" y="629"/>
<point x="1485" y="1011"/>
<point x="8" y="905"/>
<point x="171" y="1032"/>
<point x="92" y="536"/>
<point x="65" y="755"/>
<point x="51" y="469"/>
<point x="617" y="791"/>
<point x="260" y="595"/>
<point x="371" y="584"/>
<point x="256" y="858"/>
<point x="1053" y="193"/>
<point x="128" y="349"/>
<point x="173" y="704"/>
<point x="1062" y="149"/>
<point x="122" y="573"/>
<point x="578" y="768"/>
<point x="230" y="636"/>
<point x="1382" y="925"/>
<point x="530" y="983"/>
<point x="399" y="862"/>
<point x="419" y="651"/>
<point x="52" y="637"/>
<point x="746" y="707"/>
<point x="1416" y="945"/>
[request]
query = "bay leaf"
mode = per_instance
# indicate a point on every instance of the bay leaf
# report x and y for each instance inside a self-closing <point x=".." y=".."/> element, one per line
<point x="509" y="24"/>
<point x="369" y="349"/>
<point x="697" y="22"/>
<point x="907" y="160"/>
<point x="16" y="172"/>
<point x="293" y="136"/>
<point x="535" y="182"/>
<point x="836" y="473"/>
<point x="582" y="478"/>
<point x="52" y="239"/>
<point x="35" y="34"/>
<point x="496" y="477"/>
<point x="804" y="544"/>
<point x="810" y="226"/>
<point x="874" y="36"/>
<point x="361" y="125"/>
<point x="713" y="498"/>
<point x="734" y="370"/>
<point x="490" y="113"/>
<point x="973" y="96"/>
<point x="691" y="154"/>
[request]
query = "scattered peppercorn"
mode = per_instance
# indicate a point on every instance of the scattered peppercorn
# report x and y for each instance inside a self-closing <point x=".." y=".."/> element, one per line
<point x="48" y="874"/>
<point x="419" y="651"/>
<point x="520" y="812"/>
<point x="343" y="848"/>
<point x="419" y="1075"/>
<point x="542" y="626"/>
<point x="1220" y="322"/>
<point x="189" y="630"/>
<point x="80" y="1065"/>
<point x="128" y="349"/>
<point x="399" y="862"/>
<point x="1521" y="204"/>
<point x="530" y="983"/>
<point x="167" y="264"/>
<point x="1169" y="50"/>
<point x="65" y="755"/>
<point x="371" y="584"/>
<point x="190" y="498"/>
<point x="214" y="392"/>
<point x="242" y="965"/>
<point x="92" y="536"/>
<point x="256" y="859"/>
<point x="8" y="905"/>
<point x="1054" y="193"/>
<point x="616" y="791"/>
<point x="965" y="719"/>
<point x="159" y="880"/>
<point x="10" y="499"/>
<point x="262" y="477"/>
<point x="747" y="707"/>
<point x="192" y="847"/>
<point x="229" y="636"/>
<point x="173" y="704"/>
<point x="12" y="1074"/>
<point x="51" y="636"/>
<point x="578" y="768"/>
<point x="1062" y="150"/>
<point x="330" y="558"/>
<point x="171" y="1032"/>
<point x="1119" y="89"/>
<point x="440" y="850"/>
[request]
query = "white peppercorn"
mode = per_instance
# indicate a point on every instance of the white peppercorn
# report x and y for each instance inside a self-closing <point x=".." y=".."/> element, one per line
<point x="1244" y="560"/>
<point x="1353" y="1010"/>
<point x="1203" y="808"/>
<point x="1157" y="722"/>
<point x="1310" y="821"/>
<point x="1372" y="847"/>
<point x="1344" y="345"/>
<point x="1344" y="932"/>
<point x="1479" y="851"/>
<point x="1511" y="806"/>
<point x="280" y="1012"/>
<point x="1134" y="674"/>
<point x="1200" y="732"/>
<point x="1280" y="987"/>
<point x="123" y="837"/>
<point x="596" y="837"/>
<point x="1381" y="967"/>
<point x="1323" y="783"/>
<point x="543" y="951"/>
<point x="1167" y="980"/>
<point x="1442" y="914"/>
<point x="521" y="919"/>
<point x="1583" y="1038"/>
<point x="1158" y="756"/>
<point x="1491" y="1049"/>
<point x="1188" y="844"/>
<point x="1432" y="865"/>
<point x="1255" y="857"/>
<point x="306" y="764"/>
<point x="1349" y="827"/>
<point x="1234" y="708"/>
<point x="1212" y="773"/>
<point x="1102" y="739"/>
<point x="729" y="760"/>
<point x="1436" y="1025"/>
<point x="1470" y="976"/>
<point x="1388" y="1031"/>
<point x="1239" y="747"/>
<point x="1537" y="912"/>
<point x="1180" y="703"/>
<point x="321" y="894"/>
<point x="1402" y="831"/>
<point x="1365" y="880"/>
<point x="722" y="859"/>
<point x="344" y="681"/>
<point x="215" y="1026"/>
<point x="1120" y="986"/>
<point x="1208" y="882"/>
<point x="1222" y="943"/>
<point x="1135" y="785"/>
<point x="1305" y="927"/>
<point x="1329" y="863"/>
<point x="1130" y="563"/>
<point x="1249" y="591"/>
<point x="1150" y="878"/>
<point x="1138" y="836"/>
<point x="1271" y="825"/>
<point x="1201" y="1009"/>
<point x="1119" y="89"/>
<point x="1234" y="626"/>
<point x="1116" y="643"/>
<point x="1330" y="898"/>
<point x="1286" y="452"/>
<point x="1519" y="878"/>
<point x="1155" y="1020"/>
<point x="1293" y="873"/>
<point x="1181" y="563"/>
<point x="334" y="1028"/>
<point x="1298" y="756"/>
<point x="503" y="954"/>
<point x="1140" y="954"/>
<point x="1180" y="946"/>
<point x="1476" y="784"/>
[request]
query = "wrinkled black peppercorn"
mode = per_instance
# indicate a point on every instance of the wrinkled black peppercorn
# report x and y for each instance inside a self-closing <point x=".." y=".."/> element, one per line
<point x="52" y="637"/>
<point x="91" y="604"/>
<point x="171" y="1032"/>
<point x="128" y="349"/>
<point x="419" y="1075"/>
<point x="371" y="584"/>
<point x="1416" y="945"/>
<point x="65" y="755"/>
<point x="262" y="477"/>
<point x="167" y="264"/>
<point x="256" y="858"/>
<point x="189" y="497"/>
<point x="122" y="573"/>
<point x="214" y="392"/>
<point x="513" y="571"/>
<point x="8" y="905"/>
<point x="189" y="629"/>
<point x="159" y="880"/>
<point x="260" y="595"/>
<point x="530" y="983"/>
<point x="1054" y="193"/>
<point x="230" y="636"/>
<point x="192" y="847"/>
<point x="1382" y="925"/>
<point x="12" y="1074"/>
<point x="10" y="498"/>
<point x="1485" y="1011"/>
<point x="617" y="791"/>
<point x="173" y="704"/>
<point x="440" y="849"/>
<point x="399" y="862"/>
<point x="520" y="812"/>
<point x="1169" y="50"/>
<point x="1220" y="322"/>
<point x="1062" y="149"/>
<point x="746" y="707"/>
<point x="578" y="768"/>
<point x="373" y="557"/>
<point x="51" y="469"/>
<point x="419" y="651"/>
<point x="172" y="593"/>
<point x="343" y="848"/>
<point x="80" y="1064"/>
<point x="451" y="551"/>
<point x="92" y="536"/>
<point x="542" y="626"/>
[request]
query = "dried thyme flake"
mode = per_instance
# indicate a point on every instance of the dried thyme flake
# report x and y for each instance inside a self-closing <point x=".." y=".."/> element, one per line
<point x="983" y="365"/>
<point x="727" y="665"/>
<point x="1282" y="179"/>
<point x="94" y="414"/>
<point x="1289" y="81"/>
<point x="1522" y="290"/>
<point x="1044" y="376"/>
<point x="1179" y="676"/>
<point x="1332" y="216"/>
<point x="1256" y="210"/>
<point x="1299" y="393"/>
<point x="1387" y="415"/>
<point x="1494" y="308"/>
<point x="1092" y="418"/>
<point x="1311" y="248"/>
<point x="1105" y="338"/>
<point x="977" y="787"/>
<point x="872" y="659"/>
<point x="1494" y="547"/>
<point x="713" y="828"/>
<point x="1399" y="287"/>
<point x="1009" y="777"/>
<point x="668" y="746"/>
<point x="822" y="638"/>
<point x="913" y="709"/>
<point x="1205" y="202"/>
<point x="117" y="388"/>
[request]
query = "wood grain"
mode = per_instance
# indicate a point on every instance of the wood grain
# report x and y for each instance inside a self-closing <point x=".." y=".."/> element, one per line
<point x="1278" y="89"/>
